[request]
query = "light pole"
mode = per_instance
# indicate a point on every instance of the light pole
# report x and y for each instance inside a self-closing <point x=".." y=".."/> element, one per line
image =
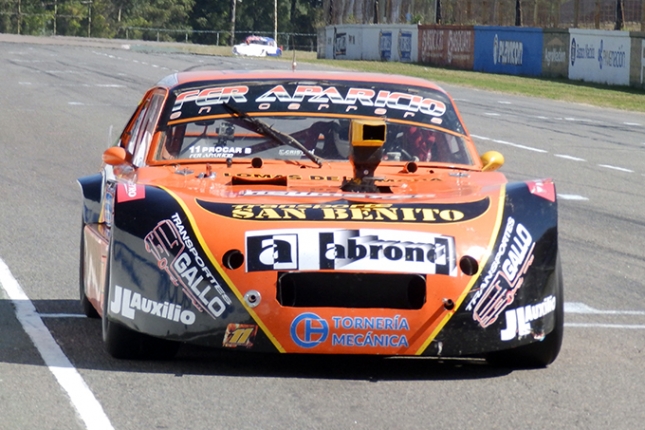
<point x="89" y="17"/>
<point x="233" y="22"/>
<point x="275" y="21"/>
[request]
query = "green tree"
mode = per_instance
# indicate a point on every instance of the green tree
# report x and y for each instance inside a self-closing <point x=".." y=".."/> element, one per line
<point x="158" y="14"/>
<point x="209" y="15"/>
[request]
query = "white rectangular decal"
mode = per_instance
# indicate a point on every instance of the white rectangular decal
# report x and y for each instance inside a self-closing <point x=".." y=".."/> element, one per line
<point x="351" y="250"/>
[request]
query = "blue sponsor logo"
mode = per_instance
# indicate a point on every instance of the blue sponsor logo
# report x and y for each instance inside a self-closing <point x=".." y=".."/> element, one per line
<point x="309" y="330"/>
<point x="385" y="45"/>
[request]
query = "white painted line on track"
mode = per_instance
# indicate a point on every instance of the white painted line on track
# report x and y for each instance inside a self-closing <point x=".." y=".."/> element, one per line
<point x="81" y="397"/>
<point x="620" y="169"/>
<point x="517" y="145"/>
<point x="503" y="142"/>
<point x="581" y="308"/>
<point x="569" y="157"/>
<point x="62" y="315"/>
<point x="572" y="197"/>
<point x="596" y="325"/>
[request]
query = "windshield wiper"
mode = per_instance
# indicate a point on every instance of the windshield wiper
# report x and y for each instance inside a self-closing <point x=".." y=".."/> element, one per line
<point x="264" y="129"/>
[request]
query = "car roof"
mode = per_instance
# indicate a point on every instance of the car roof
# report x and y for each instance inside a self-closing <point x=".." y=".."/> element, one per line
<point x="182" y="78"/>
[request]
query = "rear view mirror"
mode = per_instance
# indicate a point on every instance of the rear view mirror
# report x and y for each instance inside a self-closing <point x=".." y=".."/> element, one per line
<point x="492" y="160"/>
<point x="116" y="156"/>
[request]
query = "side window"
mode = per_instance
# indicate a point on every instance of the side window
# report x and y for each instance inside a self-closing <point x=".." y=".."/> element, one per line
<point x="129" y="139"/>
<point x="145" y="128"/>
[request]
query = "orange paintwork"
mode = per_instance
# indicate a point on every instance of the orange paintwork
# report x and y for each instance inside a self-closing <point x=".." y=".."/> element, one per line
<point x="474" y="237"/>
<point x="430" y="184"/>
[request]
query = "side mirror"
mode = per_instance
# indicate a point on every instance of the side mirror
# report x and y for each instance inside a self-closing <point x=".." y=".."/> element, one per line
<point x="116" y="156"/>
<point x="492" y="160"/>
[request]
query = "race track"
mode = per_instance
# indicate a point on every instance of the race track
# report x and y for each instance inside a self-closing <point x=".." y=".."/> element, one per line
<point x="62" y="102"/>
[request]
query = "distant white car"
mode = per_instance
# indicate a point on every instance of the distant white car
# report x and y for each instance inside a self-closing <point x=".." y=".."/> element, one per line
<point x="258" y="46"/>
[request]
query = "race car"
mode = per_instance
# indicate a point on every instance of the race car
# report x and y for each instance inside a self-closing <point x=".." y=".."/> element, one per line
<point x="258" y="46"/>
<point x="316" y="212"/>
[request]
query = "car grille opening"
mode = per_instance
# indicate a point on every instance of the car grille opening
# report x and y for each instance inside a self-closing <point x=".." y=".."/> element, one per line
<point x="351" y="290"/>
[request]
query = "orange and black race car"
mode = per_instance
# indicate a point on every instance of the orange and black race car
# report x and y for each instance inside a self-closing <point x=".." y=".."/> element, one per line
<point x="311" y="212"/>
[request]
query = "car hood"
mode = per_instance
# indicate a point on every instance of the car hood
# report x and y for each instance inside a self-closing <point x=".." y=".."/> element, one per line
<point x="466" y="205"/>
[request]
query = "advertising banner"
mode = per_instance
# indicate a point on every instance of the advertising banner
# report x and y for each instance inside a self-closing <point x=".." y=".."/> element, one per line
<point x="447" y="46"/>
<point x="637" y="69"/>
<point x="599" y="56"/>
<point x="555" y="53"/>
<point x="372" y="43"/>
<point x="508" y="50"/>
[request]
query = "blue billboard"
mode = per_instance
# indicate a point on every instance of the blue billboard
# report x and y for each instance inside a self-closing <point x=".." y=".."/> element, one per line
<point x="508" y="50"/>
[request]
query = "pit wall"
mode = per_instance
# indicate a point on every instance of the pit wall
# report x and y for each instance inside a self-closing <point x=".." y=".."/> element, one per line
<point x="598" y="56"/>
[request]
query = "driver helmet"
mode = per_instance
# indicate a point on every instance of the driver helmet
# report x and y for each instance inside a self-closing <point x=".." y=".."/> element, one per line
<point x="419" y="143"/>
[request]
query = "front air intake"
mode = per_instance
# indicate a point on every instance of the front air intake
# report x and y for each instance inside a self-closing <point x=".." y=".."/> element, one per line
<point x="351" y="290"/>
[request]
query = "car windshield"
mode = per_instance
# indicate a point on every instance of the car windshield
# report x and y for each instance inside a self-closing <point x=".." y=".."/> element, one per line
<point x="208" y="124"/>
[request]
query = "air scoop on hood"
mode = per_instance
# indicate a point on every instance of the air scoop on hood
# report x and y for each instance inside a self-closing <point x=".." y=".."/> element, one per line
<point x="366" y="138"/>
<point x="276" y="180"/>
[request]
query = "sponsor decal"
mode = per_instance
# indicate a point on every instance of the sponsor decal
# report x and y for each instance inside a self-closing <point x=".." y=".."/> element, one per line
<point x="292" y="153"/>
<point x="348" y="211"/>
<point x="340" y="44"/>
<point x="405" y="46"/>
<point x="127" y="304"/>
<point x="609" y="58"/>
<point x="582" y="52"/>
<point x="212" y="96"/>
<point x="544" y="189"/>
<point x="273" y="252"/>
<point x="507" y="52"/>
<point x="108" y="206"/>
<point x="505" y="276"/>
<point x="309" y="330"/>
<point x="129" y="192"/>
<point x="385" y="45"/>
<point x="459" y="45"/>
<point x="350" y="250"/>
<point x="339" y="195"/>
<point x="431" y="45"/>
<point x="555" y="55"/>
<point x="175" y="252"/>
<point x="240" y="335"/>
<point x="363" y="96"/>
<point x="518" y="320"/>
<point x="317" y="178"/>
<point x="200" y="151"/>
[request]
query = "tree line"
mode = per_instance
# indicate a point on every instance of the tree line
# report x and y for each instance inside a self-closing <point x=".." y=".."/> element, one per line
<point x="200" y="21"/>
<point x="223" y="22"/>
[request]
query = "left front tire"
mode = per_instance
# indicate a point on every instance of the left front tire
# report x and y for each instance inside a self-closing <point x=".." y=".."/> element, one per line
<point x="123" y="343"/>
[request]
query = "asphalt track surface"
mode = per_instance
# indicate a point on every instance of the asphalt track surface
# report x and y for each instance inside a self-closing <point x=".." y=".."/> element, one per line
<point x="63" y="101"/>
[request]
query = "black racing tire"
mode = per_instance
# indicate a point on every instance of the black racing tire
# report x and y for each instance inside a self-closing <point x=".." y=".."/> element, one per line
<point x="124" y="343"/>
<point x="538" y="354"/>
<point x="86" y="306"/>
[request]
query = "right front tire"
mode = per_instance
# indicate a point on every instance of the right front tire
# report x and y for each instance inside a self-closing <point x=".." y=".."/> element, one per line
<point x="538" y="354"/>
<point x="86" y="305"/>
